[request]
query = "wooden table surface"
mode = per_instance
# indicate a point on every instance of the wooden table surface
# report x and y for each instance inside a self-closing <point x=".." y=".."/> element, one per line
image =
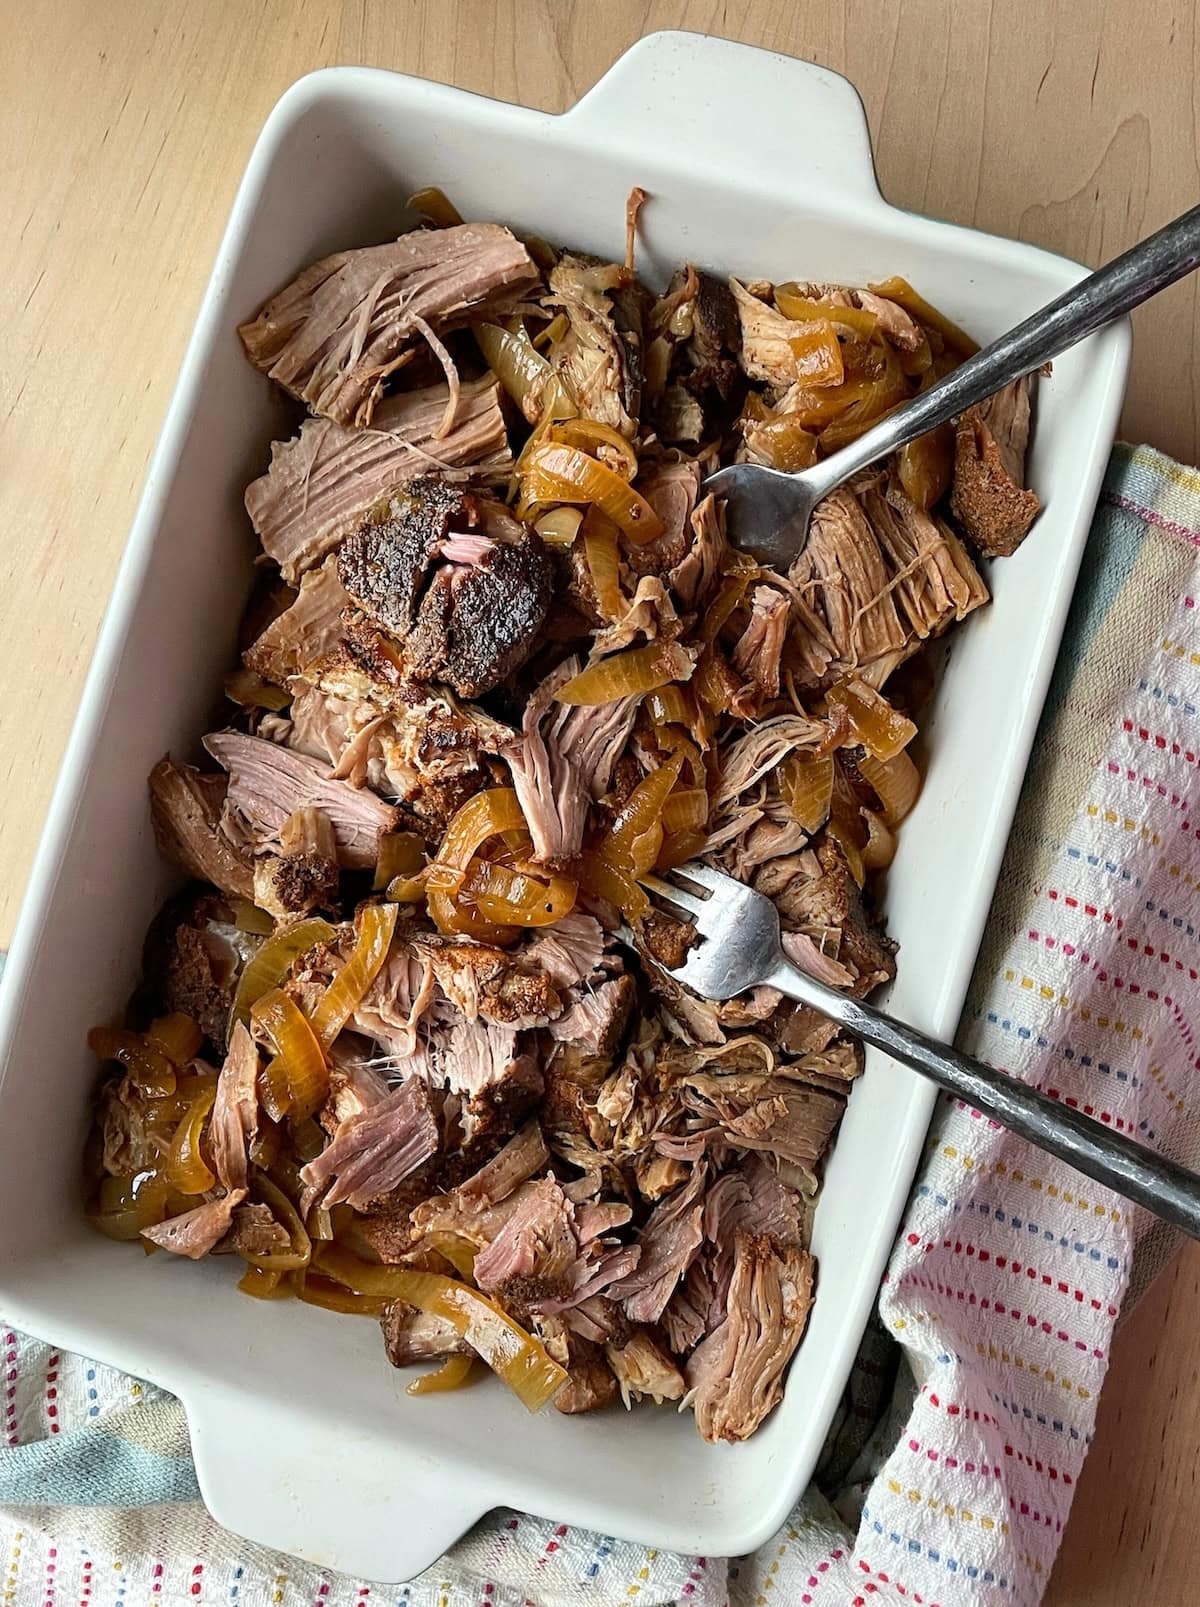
<point x="124" y="129"/>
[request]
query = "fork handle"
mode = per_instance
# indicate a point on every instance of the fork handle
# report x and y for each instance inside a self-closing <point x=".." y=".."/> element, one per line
<point x="1148" y="1179"/>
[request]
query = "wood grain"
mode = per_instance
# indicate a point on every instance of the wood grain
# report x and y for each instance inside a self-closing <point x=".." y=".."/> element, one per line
<point x="123" y="132"/>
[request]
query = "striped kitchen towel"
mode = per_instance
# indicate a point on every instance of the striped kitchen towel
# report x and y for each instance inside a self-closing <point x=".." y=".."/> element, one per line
<point x="949" y="1474"/>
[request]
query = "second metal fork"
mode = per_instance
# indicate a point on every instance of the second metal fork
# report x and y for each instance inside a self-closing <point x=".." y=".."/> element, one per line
<point x="740" y="947"/>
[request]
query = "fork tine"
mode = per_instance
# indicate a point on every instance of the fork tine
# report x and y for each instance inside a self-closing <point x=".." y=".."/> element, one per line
<point x="715" y="880"/>
<point x="680" y="896"/>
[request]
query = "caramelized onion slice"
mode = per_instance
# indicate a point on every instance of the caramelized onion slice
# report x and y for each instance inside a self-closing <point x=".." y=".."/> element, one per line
<point x="517" y="364"/>
<point x="881" y="729"/>
<point x="376" y="926"/>
<point x="517" y="898"/>
<point x="186" y="1169"/>
<point x="808" y="787"/>
<point x="149" y="1067"/>
<point x="638" y="669"/>
<point x="818" y="354"/>
<point x="454" y="1372"/>
<point x="802" y="309"/>
<point x="401" y="853"/>
<point x="267" y="968"/>
<point x="897" y="782"/>
<point x="484" y="815"/>
<point x="298" y="1077"/>
<point x="454" y="918"/>
<point x="881" y="842"/>
<point x="315" y="1290"/>
<point x="902" y="293"/>
<point x="433" y="203"/>
<point x="599" y="441"/>
<point x="559" y="473"/>
<point x="520" y="1360"/>
<point x="601" y="551"/>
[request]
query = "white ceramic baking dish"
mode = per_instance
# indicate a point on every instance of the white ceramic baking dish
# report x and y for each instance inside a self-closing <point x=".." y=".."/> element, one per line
<point x="303" y="1436"/>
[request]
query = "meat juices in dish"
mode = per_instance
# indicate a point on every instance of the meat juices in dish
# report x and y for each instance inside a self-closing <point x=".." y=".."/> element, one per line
<point x="502" y="662"/>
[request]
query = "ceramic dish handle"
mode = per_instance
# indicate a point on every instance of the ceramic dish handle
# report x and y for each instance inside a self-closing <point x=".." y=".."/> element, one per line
<point x="319" y="1496"/>
<point x="781" y="113"/>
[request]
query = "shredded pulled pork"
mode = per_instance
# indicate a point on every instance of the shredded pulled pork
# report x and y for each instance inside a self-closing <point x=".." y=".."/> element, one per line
<point x="501" y="664"/>
<point x="321" y="484"/>
<point x="336" y="332"/>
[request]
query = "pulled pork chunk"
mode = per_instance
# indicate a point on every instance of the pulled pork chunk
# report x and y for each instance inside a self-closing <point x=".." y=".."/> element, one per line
<point x="303" y="876"/>
<point x="989" y="497"/>
<point x="479" y="621"/>
<point x="489" y="984"/>
<point x="750" y="1198"/>
<point x="671" y="487"/>
<point x="185" y="811"/>
<point x="650" y="613"/>
<point x="595" y="1023"/>
<point x="392" y="1008"/>
<point x="472" y="620"/>
<point x="565" y="761"/>
<point x="590" y="1383"/>
<point x="516" y="1163"/>
<point x="234" y="1120"/>
<point x="936" y="582"/>
<point x="843" y="573"/>
<point x="337" y="331"/>
<point x="196" y="1232"/>
<point x="678" y="416"/>
<point x="307" y="630"/>
<point x="354" y="1087"/>
<point x="192" y="960"/>
<point x="600" y="358"/>
<point x="498" y="1080"/>
<point x="411" y="1336"/>
<point x="267" y="784"/>
<point x="758" y="1111"/>
<point x="760" y="646"/>
<point x="644" y="1370"/>
<point x="532" y="1256"/>
<point x="822" y="899"/>
<point x="715" y="342"/>
<point x="569" y="952"/>
<point x="669" y="1242"/>
<point x="419" y="746"/>
<point x="735" y="1377"/>
<point x="550" y="786"/>
<point x="550" y="1256"/>
<point x="374" y="1151"/>
<point x="128" y="1142"/>
<point x="477" y="1209"/>
<point x="253" y="1231"/>
<point x="766" y="352"/>
<point x="695" y="574"/>
<point x="323" y="483"/>
<point x="384" y="565"/>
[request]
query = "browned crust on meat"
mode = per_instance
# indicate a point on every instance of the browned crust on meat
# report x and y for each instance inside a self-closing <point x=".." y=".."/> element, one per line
<point x="383" y="564"/>
<point x="188" y="969"/>
<point x="301" y="882"/>
<point x="995" y="512"/>
<point x="667" y="940"/>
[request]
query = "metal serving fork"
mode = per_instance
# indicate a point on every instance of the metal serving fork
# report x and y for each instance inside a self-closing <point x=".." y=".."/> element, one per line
<point x="768" y="511"/>
<point x="740" y="948"/>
